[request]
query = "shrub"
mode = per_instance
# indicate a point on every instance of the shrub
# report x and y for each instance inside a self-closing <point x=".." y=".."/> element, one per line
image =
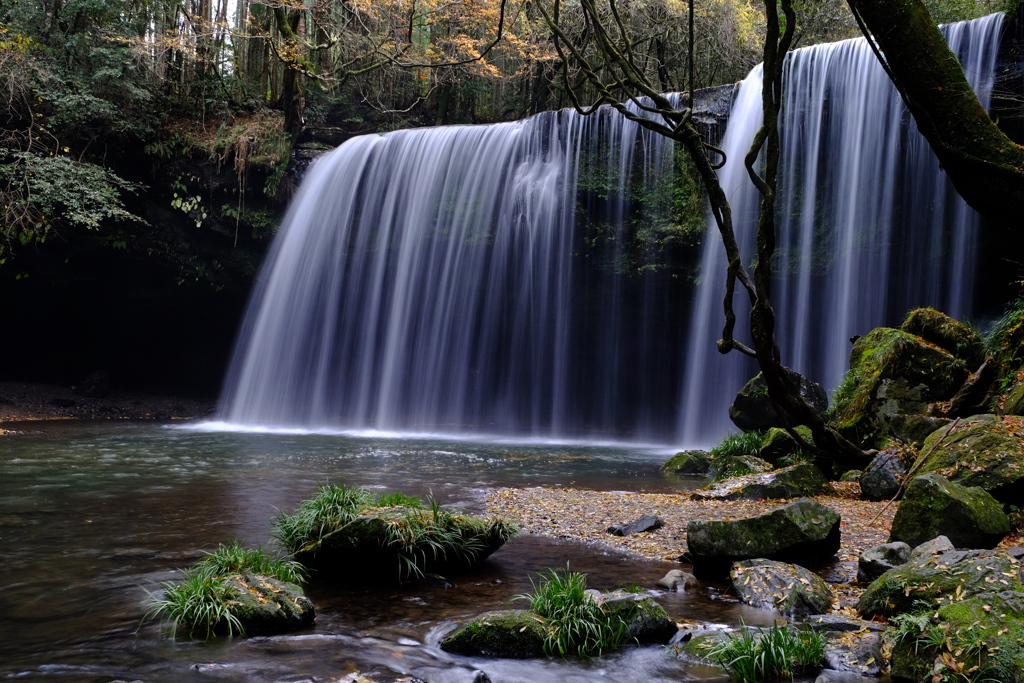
<point x="743" y="443"/>
<point x="574" y="622"/>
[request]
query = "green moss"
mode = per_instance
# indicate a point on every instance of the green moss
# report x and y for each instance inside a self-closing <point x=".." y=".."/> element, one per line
<point x="946" y="333"/>
<point x="516" y="634"/>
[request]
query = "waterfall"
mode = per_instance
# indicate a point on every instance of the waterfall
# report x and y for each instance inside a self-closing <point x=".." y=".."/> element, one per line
<point x="868" y="228"/>
<point x="476" y="279"/>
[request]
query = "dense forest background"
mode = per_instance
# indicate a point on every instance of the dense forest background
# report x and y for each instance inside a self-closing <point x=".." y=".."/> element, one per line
<point x="149" y="147"/>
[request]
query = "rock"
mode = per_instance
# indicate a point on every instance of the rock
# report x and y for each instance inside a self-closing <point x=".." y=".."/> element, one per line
<point x="933" y="506"/>
<point x="936" y="546"/>
<point x="786" y="588"/>
<point x="779" y="444"/>
<point x="752" y="409"/>
<point x="985" y="631"/>
<point x="985" y="451"/>
<point x="938" y="580"/>
<point x="737" y="466"/>
<point x="803" y="531"/>
<point x="876" y="561"/>
<point x="914" y="429"/>
<point x="648" y="621"/>
<point x="1013" y="404"/>
<point x="512" y="633"/>
<point x="947" y="333"/>
<point x="639" y="526"/>
<point x="892" y="373"/>
<point x="882" y="478"/>
<point x="862" y="655"/>
<point x="836" y="623"/>
<point x="264" y="605"/>
<point x="852" y="475"/>
<point x="688" y="462"/>
<point x="677" y="579"/>
<point x="790" y="482"/>
<point x="96" y="385"/>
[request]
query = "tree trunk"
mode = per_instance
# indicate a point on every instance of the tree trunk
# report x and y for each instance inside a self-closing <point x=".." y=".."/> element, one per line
<point x="984" y="165"/>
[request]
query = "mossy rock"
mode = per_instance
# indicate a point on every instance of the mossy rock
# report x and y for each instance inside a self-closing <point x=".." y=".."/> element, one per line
<point x="1013" y="404"/>
<point x="795" y="481"/>
<point x="265" y="605"/>
<point x="786" y="588"/>
<point x="932" y="581"/>
<point x="914" y="429"/>
<point x="737" y="466"/>
<point x="648" y="621"/>
<point x="882" y="478"/>
<point x="779" y="444"/>
<point x="946" y="333"/>
<point x="803" y="531"/>
<point x="752" y="409"/>
<point x="985" y="451"/>
<point x="688" y="462"/>
<point x="511" y="633"/>
<point x="892" y="373"/>
<point x="934" y="506"/>
<point x="985" y="630"/>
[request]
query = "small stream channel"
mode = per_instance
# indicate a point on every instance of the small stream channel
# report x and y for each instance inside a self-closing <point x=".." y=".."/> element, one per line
<point x="94" y="515"/>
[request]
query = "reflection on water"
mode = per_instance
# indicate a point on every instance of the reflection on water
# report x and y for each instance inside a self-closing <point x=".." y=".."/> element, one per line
<point x="94" y="515"/>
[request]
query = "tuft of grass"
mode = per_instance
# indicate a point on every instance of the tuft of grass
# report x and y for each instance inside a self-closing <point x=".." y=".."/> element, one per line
<point x="743" y="443"/>
<point x="774" y="654"/>
<point x="416" y="534"/>
<point x="574" y="622"/>
<point x="200" y="603"/>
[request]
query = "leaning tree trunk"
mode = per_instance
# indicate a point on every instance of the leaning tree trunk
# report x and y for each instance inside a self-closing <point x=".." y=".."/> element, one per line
<point x="984" y="165"/>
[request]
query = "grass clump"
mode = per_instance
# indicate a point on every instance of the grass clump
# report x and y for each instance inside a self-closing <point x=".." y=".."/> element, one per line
<point x="574" y="621"/>
<point x="393" y="530"/>
<point x="743" y="443"/>
<point x="201" y="603"/>
<point x="775" y="654"/>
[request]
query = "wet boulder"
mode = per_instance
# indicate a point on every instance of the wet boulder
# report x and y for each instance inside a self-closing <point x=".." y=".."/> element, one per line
<point x="786" y="588"/>
<point x="892" y="373"/>
<point x="876" y="561"/>
<point x="688" y="462"/>
<point x="790" y="482"/>
<point x="932" y="581"/>
<point x="752" y="409"/>
<point x="947" y="333"/>
<point x="265" y="605"/>
<point x="883" y="477"/>
<point x="802" y="531"/>
<point x="511" y="633"/>
<point x="648" y="622"/>
<point x="985" y="451"/>
<point x="933" y="506"/>
<point x="677" y="579"/>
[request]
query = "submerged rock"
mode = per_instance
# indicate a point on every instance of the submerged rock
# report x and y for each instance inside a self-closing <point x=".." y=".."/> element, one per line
<point x="790" y="482"/>
<point x="753" y="409"/>
<point x="802" y="531"/>
<point x="933" y="506"/>
<point x="985" y="451"/>
<point x="787" y="588"/>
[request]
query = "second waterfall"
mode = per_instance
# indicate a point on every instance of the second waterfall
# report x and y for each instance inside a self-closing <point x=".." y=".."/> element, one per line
<point x="442" y="280"/>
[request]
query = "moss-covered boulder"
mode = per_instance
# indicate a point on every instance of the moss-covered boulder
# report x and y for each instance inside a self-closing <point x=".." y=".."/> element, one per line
<point x="947" y="333"/>
<point x="779" y="444"/>
<point x="803" y="531"/>
<point x="914" y="429"/>
<point x="934" y="506"/>
<point x="648" y="621"/>
<point x="786" y="588"/>
<point x="688" y="462"/>
<point x="891" y="373"/>
<point x="931" y="581"/>
<point x="265" y="605"/>
<point x="726" y="466"/>
<point x="1013" y="403"/>
<point x="981" y="636"/>
<point x="985" y="451"/>
<point x="753" y="409"/>
<point x="512" y="633"/>
<point x="795" y="481"/>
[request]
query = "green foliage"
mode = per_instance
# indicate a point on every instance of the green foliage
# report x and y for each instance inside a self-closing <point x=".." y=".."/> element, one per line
<point x="399" y="499"/>
<point x="742" y="443"/>
<point x="774" y="654"/>
<point x="574" y="622"/>
<point x="233" y="558"/>
<point x="959" y="654"/>
<point x="332" y="507"/>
